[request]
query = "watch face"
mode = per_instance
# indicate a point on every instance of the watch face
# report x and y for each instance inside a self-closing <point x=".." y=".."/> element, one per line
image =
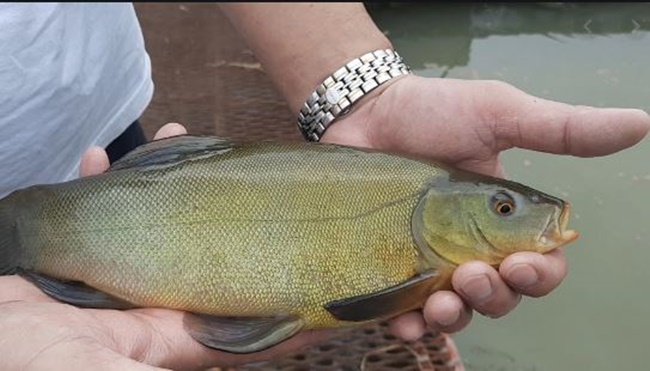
<point x="332" y="95"/>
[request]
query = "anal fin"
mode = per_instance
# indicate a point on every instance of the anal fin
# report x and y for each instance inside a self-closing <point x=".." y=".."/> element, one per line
<point x="241" y="334"/>
<point x="74" y="292"/>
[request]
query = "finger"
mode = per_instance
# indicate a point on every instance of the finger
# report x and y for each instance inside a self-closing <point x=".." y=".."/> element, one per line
<point x="408" y="326"/>
<point x="526" y="121"/>
<point x="94" y="161"/>
<point x="446" y="312"/>
<point x="534" y="274"/>
<point x="170" y="130"/>
<point x="483" y="289"/>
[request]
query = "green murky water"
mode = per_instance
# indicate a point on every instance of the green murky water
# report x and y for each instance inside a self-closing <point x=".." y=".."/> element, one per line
<point x="577" y="53"/>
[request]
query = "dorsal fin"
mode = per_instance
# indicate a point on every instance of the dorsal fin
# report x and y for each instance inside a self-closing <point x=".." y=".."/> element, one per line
<point x="172" y="151"/>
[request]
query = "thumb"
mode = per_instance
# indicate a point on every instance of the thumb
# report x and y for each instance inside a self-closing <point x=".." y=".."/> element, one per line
<point x="526" y="121"/>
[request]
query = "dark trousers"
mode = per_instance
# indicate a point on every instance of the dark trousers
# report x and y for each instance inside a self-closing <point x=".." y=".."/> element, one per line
<point x="132" y="137"/>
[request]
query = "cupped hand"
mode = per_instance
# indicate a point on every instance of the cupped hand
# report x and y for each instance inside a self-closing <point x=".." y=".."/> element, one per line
<point x="39" y="333"/>
<point x="467" y="124"/>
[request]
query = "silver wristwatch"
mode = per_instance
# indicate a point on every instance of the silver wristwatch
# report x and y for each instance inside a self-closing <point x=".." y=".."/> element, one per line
<point x="335" y="96"/>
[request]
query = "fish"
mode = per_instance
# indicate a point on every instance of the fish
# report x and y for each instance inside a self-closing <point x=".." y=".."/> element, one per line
<point x="257" y="242"/>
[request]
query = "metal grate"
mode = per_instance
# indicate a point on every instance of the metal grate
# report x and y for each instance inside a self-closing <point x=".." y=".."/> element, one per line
<point x="369" y="348"/>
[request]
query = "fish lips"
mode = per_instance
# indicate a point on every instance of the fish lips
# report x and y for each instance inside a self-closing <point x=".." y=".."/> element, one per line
<point x="555" y="233"/>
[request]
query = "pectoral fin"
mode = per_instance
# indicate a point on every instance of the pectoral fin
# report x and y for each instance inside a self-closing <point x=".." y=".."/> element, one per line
<point x="386" y="303"/>
<point x="74" y="292"/>
<point x="172" y="151"/>
<point x="241" y="334"/>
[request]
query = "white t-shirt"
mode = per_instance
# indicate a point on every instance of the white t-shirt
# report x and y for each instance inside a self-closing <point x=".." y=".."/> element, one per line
<point x="71" y="76"/>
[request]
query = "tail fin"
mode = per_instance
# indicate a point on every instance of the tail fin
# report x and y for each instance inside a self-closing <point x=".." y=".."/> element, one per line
<point x="9" y="249"/>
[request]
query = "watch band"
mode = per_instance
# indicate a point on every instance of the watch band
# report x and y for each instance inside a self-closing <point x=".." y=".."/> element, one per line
<point x="335" y="96"/>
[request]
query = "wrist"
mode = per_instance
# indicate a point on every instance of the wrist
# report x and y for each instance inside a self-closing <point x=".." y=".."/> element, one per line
<point x="314" y="68"/>
<point x="369" y="122"/>
<point x="323" y="38"/>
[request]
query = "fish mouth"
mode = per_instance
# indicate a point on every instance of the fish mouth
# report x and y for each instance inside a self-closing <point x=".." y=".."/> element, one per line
<point x="555" y="233"/>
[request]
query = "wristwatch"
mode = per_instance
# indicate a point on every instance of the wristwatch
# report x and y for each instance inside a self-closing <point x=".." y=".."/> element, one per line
<point x="336" y="95"/>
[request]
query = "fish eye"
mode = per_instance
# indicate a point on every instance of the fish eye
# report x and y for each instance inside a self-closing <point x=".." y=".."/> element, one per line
<point x="503" y="204"/>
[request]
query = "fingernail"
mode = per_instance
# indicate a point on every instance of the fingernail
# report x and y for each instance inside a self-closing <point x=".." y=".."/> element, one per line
<point x="522" y="275"/>
<point x="450" y="320"/>
<point x="478" y="288"/>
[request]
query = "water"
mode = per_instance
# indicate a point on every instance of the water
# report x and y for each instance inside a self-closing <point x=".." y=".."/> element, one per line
<point x="592" y="54"/>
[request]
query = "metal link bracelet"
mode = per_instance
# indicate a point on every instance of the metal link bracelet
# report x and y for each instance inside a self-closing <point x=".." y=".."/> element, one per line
<point x="335" y="96"/>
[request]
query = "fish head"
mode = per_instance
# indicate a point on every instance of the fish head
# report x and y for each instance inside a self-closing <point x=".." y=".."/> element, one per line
<point x="468" y="216"/>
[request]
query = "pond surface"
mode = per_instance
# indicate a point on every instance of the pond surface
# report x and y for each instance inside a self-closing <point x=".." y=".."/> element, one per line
<point x="592" y="54"/>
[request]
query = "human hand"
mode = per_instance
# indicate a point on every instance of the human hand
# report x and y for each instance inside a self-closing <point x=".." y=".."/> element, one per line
<point x="40" y="333"/>
<point x="467" y="124"/>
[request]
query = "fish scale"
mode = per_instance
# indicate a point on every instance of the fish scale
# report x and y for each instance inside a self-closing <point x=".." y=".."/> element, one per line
<point x="276" y="237"/>
<point x="295" y="206"/>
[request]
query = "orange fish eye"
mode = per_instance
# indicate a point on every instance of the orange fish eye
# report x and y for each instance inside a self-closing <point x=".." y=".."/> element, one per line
<point x="503" y="204"/>
<point x="505" y="207"/>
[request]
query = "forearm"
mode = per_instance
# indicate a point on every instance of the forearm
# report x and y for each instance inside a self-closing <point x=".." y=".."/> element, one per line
<point x="300" y="44"/>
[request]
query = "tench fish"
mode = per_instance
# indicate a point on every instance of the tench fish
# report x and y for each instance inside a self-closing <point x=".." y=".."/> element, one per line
<point x="257" y="242"/>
